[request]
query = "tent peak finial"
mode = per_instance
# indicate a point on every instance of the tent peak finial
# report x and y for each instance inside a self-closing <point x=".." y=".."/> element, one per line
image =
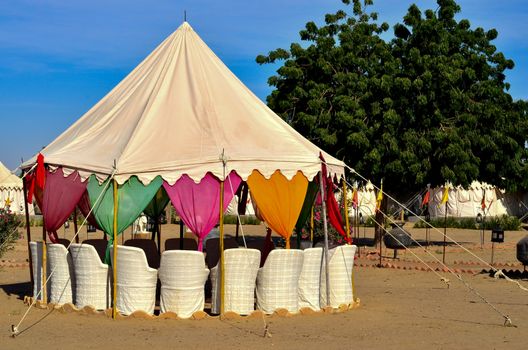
<point x="185" y="25"/>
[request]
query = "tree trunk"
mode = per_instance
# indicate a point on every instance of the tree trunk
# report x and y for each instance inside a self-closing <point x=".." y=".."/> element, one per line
<point x="379" y="217"/>
<point x="168" y="213"/>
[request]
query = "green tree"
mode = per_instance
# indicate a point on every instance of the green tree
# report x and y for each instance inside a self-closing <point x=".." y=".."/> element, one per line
<point x="333" y="90"/>
<point x="428" y="107"/>
<point x="455" y="113"/>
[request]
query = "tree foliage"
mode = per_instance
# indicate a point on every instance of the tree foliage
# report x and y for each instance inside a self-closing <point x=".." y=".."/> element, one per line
<point x="9" y="224"/>
<point x="429" y="106"/>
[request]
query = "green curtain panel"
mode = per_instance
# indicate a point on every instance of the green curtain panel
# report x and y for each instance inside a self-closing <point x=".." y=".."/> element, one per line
<point x="311" y="194"/>
<point x="157" y="205"/>
<point x="133" y="197"/>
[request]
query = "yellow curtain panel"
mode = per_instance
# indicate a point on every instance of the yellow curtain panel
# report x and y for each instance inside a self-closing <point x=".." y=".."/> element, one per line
<point x="279" y="200"/>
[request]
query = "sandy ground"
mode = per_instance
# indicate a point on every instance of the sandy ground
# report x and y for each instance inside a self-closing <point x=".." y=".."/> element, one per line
<point x="401" y="307"/>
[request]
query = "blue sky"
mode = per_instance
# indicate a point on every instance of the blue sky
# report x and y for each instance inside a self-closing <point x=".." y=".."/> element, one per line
<point x="58" y="58"/>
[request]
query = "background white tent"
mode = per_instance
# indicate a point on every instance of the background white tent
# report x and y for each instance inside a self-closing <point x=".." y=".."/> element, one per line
<point x="468" y="202"/>
<point x="11" y="190"/>
<point x="366" y="200"/>
<point x="233" y="206"/>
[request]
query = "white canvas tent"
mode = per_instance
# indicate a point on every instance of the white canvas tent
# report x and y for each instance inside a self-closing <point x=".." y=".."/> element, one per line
<point x="468" y="202"/>
<point x="177" y="113"/>
<point x="11" y="191"/>
<point x="182" y="112"/>
<point x="366" y="201"/>
<point x="232" y="209"/>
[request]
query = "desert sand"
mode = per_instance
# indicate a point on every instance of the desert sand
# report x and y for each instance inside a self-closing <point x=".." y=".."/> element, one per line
<point x="402" y="307"/>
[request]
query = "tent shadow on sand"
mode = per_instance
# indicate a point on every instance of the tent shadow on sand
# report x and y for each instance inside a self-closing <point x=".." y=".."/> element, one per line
<point x="19" y="289"/>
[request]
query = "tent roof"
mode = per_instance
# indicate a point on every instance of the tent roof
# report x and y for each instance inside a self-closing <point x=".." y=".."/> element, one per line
<point x="8" y="180"/>
<point x="175" y="114"/>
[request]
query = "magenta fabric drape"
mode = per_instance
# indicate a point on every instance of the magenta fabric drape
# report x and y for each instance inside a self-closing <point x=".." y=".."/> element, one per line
<point x="198" y="204"/>
<point x="85" y="207"/>
<point x="61" y="195"/>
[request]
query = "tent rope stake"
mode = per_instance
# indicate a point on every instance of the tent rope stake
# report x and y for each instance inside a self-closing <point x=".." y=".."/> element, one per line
<point x="15" y="328"/>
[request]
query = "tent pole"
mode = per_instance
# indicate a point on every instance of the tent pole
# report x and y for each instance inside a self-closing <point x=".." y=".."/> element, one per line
<point x="153" y="235"/>
<point x="298" y="236"/>
<point x="158" y="231"/>
<point x="238" y="216"/>
<point x="44" y="263"/>
<point x="325" y="227"/>
<point x="114" y="265"/>
<point x="222" y="271"/>
<point x="356" y="225"/>
<point x="445" y="232"/>
<point x="75" y="228"/>
<point x="28" y="233"/>
<point x="347" y="224"/>
<point x="237" y="228"/>
<point x="312" y="225"/>
<point x="181" y="233"/>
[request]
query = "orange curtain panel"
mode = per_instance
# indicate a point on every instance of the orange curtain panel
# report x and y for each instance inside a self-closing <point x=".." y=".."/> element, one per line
<point x="279" y="201"/>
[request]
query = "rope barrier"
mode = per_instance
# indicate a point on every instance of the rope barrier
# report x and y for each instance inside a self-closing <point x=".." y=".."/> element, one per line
<point x="14" y="329"/>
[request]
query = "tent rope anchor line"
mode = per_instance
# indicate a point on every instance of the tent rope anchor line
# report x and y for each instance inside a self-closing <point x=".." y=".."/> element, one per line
<point x="507" y="319"/>
<point x="442" y="278"/>
<point x="15" y="328"/>
<point x="438" y="231"/>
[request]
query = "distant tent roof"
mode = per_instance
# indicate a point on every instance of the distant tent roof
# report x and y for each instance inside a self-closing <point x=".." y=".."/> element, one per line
<point x="8" y="180"/>
<point x="175" y="114"/>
